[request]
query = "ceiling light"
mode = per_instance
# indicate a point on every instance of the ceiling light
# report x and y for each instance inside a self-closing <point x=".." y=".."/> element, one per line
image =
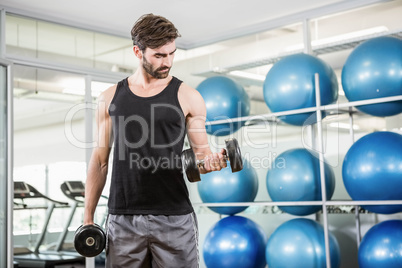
<point x="247" y="75"/>
<point x="96" y="89"/>
<point x="351" y="35"/>
<point x="343" y="125"/>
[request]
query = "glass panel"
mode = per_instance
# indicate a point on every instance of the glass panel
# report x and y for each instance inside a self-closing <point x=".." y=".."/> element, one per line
<point x="49" y="134"/>
<point x="373" y="19"/>
<point x="59" y="43"/>
<point x="254" y="49"/>
<point x="3" y="166"/>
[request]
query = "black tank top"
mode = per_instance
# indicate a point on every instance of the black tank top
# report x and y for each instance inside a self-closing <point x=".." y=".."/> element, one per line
<point x="149" y="132"/>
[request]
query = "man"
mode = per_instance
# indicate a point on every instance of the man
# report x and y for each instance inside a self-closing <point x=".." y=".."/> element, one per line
<point x="151" y="221"/>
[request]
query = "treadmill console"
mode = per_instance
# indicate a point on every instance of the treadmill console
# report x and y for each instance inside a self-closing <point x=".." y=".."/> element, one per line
<point x="20" y="189"/>
<point x="75" y="187"/>
<point x="74" y="190"/>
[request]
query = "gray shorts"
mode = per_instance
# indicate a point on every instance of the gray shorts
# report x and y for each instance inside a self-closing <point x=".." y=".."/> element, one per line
<point x="152" y="241"/>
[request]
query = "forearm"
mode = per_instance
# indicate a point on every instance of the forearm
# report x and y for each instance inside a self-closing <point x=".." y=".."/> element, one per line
<point x="198" y="138"/>
<point x="98" y="165"/>
<point x="95" y="183"/>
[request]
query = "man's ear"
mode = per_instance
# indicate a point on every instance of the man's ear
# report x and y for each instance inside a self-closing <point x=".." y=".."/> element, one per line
<point x="137" y="52"/>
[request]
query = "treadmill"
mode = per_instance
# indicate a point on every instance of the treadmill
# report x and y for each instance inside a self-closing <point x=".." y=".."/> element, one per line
<point x="74" y="190"/>
<point x="33" y="258"/>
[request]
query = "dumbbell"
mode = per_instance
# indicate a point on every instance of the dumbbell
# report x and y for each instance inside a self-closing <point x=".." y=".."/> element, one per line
<point x="89" y="240"/>
<point x="191" y="164"/>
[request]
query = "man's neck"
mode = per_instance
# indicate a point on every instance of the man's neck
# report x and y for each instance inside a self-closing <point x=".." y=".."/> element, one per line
<point x="147" y="82"/>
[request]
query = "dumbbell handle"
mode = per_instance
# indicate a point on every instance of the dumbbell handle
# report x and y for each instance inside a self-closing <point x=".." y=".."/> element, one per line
<point x="200" y="163"/>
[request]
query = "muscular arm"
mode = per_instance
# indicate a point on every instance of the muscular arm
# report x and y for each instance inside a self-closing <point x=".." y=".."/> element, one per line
<point x="98" y="165"/>
<point x="194" y="108"/>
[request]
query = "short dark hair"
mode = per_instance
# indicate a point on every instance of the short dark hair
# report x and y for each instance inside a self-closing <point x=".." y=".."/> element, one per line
<point x="153" y="31"/>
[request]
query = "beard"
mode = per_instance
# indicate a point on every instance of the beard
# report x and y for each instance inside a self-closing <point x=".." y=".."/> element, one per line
<point x="158" y="73"/>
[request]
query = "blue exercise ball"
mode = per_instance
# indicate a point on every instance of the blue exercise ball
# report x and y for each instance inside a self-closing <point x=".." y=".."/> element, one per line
<point x="301" y="243"/>
<point x="372" y="170"/>
<point x="290" y="85"/>
<point x="224" y="99"/>
<point x="295" y="176"/>
<point x="374" y="70"/>
<point x="225" y="186"/>
<point x="381" y="246"/>
<point x="235" y="242"/>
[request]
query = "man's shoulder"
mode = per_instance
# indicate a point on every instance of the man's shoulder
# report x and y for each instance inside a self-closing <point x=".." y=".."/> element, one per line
<point x="186" y="89"/>
<point x="107" y="95"/>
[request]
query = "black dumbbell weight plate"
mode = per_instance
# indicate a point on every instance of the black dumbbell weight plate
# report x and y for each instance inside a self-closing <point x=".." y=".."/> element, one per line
<point x="89" y="240"/>
<point x="190" y="165"/>
<point x="234" y="154"/>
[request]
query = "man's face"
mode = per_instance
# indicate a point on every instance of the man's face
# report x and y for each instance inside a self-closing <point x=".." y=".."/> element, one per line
<point x="157" y="62"/>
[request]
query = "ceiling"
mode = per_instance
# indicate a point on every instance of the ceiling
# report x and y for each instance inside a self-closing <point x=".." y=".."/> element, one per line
<point x="199" y="22"/>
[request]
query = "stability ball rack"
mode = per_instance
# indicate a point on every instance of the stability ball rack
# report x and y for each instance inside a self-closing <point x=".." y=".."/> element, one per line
<point x="348" y="106"/>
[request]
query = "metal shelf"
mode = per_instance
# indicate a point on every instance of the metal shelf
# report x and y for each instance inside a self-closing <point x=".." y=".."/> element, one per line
<point x="271" y="209"/>
<point x="328" y="206"/>
<point x="337" y="107"/>
<point x="302" y="203"/>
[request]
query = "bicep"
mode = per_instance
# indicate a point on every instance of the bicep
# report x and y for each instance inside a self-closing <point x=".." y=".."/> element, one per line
<point x="195" y="120"/>
<point x="104" y="133"/>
